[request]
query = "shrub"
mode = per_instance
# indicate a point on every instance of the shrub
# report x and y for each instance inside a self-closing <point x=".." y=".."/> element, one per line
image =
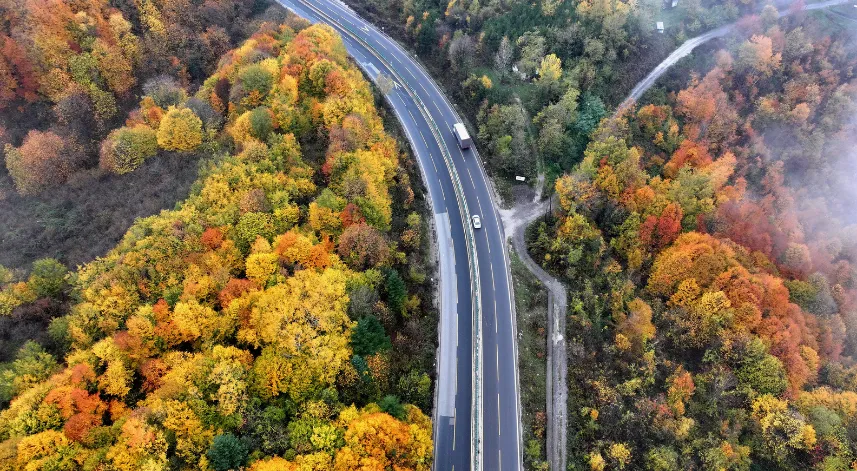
<point x="209" y="116"/>
<point x="165" y="91"/>
<point x="261" y="123"/>
<point x="249" y="227"/>
<point x="126" y="148"/>
<point x="48" y="277"/>
<point x="369" y="338"/>
<point x="391" y="405"/>
<point x="44" y="159"/>
<point x="396" y="291"/>
<point x="256" y="78"/>
<point x="363" y="246"/>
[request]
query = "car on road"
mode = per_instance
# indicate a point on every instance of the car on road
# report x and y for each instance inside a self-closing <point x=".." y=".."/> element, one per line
<point x="477" y="221"/>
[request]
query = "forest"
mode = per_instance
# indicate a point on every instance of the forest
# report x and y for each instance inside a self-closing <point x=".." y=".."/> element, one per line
<point x="709" y="243"/>
<point x="706" y="235"/>
<point x="278" y="318"/>
<point x="535" y="78"/>
<point x="270" y="308"/>
<point x="70" y="72"/>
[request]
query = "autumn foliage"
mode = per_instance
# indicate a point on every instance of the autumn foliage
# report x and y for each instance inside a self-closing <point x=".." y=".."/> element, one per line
<point x="710" y="260"/>
<point x="73" y="68"/>
<point x="221" y="334"/>
<point x="43" y="160"/>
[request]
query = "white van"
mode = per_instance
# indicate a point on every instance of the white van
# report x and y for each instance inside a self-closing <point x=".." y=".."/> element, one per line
<point x="462" y="136"/>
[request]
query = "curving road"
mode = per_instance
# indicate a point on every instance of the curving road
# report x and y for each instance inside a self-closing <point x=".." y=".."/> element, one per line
<point x="688" y="46"/>
<point x="419" y="105"/>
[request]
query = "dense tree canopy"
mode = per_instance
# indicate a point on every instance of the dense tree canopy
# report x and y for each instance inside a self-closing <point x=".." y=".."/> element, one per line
<point x="710" y="261"/>
<point x="218" y="335"/>
<point x="87" y="59"/>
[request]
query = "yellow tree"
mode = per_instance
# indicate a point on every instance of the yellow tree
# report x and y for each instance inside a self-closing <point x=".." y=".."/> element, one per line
<point x="180" y="130"/>
<point x="303" y="329"/>
<point x="40" y="451"/>
<point x="636" y="325"/>
<point x="197" y="321"/>
<point x="139" y="446"/>
<point x="377" y="441"/>
<point x="118" y="376"/>
<point x="550" y="70"/>
<point x="191" y="435"/>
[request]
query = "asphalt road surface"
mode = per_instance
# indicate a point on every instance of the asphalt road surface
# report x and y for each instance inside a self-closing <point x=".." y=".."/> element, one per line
<point x="501" y="434"/>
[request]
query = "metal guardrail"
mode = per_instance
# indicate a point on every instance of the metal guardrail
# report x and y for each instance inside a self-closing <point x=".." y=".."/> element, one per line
<point x="476" y="405"/>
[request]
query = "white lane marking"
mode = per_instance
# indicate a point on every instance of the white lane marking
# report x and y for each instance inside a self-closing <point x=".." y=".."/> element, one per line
<point x="495" y="316"/>
<point x="505" y="264"/>
<point x="471" y="178"/>
<point x="454" y="417"/>
<point x="497" y="352"/>
<point x="494" y="288"/>
<point x="411" y="138"/>
<point x="433" y="164"/>
<point x="382" y="38"/>
<point x="498" y="414"/>
<point x="414" y="120"/>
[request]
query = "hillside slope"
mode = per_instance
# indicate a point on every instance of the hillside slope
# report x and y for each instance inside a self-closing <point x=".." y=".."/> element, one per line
<point x="264" y="322"/>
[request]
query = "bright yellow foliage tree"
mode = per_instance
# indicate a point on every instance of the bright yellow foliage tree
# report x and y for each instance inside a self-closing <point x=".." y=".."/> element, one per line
<point x="180" y="130"/>
<point x="377" y="441"/>
<point x="304" y="331"/>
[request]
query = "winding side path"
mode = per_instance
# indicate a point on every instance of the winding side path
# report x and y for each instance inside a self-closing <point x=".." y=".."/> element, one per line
<point x="688" y="46"/>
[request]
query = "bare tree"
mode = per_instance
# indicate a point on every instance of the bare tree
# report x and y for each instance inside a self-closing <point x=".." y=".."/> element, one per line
<point x="503" y="58"/>
<point x="461" y="52"/>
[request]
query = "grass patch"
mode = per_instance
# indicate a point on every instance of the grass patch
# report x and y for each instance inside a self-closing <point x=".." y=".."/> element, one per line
<point x="531" y="304"/>
<point x="86" y="217"/>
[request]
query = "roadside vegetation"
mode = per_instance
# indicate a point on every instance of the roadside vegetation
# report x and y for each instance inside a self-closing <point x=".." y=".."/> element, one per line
<point x="567" y="62"/>
<point x="705" y="234"/>
<point x="531" y="311"/>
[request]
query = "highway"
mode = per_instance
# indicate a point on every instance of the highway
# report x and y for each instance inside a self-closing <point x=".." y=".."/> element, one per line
<point x="418" y="103"/>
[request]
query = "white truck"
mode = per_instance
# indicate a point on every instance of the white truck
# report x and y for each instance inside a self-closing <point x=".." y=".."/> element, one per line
<point x="462" y="136"/>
